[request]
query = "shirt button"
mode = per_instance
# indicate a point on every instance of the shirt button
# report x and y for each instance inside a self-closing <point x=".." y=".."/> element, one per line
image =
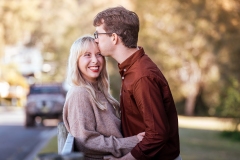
<point x="122" y="77"/>
<point x="124" y="70"/>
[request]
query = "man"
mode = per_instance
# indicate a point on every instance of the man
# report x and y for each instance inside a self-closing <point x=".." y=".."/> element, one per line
<point x="146" y="101"/>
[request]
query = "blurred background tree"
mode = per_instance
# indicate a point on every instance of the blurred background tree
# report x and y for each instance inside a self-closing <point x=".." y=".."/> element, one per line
<point x="194" y="42"/>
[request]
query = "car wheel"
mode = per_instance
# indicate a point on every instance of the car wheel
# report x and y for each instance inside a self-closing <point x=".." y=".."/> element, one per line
<point x="30" y="121"/>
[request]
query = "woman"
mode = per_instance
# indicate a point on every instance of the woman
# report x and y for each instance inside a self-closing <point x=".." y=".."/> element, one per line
<point x="90" y="113"/>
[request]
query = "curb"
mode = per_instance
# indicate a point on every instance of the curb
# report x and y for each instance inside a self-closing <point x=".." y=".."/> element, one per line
<point x="43" y="139"/>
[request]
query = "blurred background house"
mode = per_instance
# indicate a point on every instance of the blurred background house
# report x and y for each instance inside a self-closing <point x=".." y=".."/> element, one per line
<point x="26" y="62"/>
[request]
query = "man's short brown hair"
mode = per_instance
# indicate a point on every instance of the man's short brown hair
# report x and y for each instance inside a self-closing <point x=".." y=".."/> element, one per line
<point x="121" y="21"/>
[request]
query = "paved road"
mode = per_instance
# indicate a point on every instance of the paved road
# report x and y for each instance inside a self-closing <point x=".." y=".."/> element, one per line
<point x="18" y="142"/>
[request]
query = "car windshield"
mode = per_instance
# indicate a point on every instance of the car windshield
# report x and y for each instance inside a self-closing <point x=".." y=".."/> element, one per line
<point x="44" y="90"/>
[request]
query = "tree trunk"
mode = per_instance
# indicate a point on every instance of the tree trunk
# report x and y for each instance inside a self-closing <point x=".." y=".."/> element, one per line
<point x="190" y="104"/>
<point x="191" y="100"/>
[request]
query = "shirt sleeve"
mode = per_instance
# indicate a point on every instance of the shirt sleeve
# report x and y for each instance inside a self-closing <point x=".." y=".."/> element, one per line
<point x="150" y="101"/>
<point x="81" y="123"/>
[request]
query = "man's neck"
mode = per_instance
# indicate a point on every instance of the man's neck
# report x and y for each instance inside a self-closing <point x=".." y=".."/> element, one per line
<point x="123" y="53"/>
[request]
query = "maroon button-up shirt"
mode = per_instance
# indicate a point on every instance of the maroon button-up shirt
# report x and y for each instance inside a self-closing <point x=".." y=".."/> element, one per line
<point x="147" y="106"/>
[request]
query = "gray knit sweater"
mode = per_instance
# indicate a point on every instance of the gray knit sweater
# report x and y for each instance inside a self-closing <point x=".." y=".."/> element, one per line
<point x="97" y="132"/>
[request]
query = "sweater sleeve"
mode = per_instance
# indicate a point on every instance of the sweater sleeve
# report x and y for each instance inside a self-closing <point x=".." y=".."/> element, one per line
<point x="80" y="121"/>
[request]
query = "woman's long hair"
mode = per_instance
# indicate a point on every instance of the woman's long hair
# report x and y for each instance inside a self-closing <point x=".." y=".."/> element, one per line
<point x="75" y="78"/>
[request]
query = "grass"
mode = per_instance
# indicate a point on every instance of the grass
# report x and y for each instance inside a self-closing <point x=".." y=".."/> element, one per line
<point x="198" y="144"/>
<point x="51" y="147"/>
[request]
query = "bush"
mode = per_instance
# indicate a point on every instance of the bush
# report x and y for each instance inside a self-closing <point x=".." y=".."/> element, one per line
<point x="232" y="135"/>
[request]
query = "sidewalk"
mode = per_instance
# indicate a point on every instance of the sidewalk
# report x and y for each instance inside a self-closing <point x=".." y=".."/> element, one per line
<point x="11" y="115"/>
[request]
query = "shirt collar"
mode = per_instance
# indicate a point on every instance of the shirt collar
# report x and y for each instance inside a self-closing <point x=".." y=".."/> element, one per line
<point x="131" y="60"/>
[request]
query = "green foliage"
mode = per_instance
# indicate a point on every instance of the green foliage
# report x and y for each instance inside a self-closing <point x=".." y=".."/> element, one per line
<point x="232" y="135"/>
<point x="231" y="100"/>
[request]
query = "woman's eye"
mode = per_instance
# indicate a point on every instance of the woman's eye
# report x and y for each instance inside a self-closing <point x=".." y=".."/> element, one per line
<point x="99" y="55"/>
<point x="87" y="54"/>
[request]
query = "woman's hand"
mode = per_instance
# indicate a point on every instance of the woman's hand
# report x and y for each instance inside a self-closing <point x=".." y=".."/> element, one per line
<point x="140" y="136"/>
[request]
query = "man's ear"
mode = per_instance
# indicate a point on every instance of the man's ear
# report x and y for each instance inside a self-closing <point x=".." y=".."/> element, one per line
<point x="115" y="38"/>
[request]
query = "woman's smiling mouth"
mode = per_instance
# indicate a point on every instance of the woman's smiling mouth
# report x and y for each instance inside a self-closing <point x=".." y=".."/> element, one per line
<point x="94" y="68"/>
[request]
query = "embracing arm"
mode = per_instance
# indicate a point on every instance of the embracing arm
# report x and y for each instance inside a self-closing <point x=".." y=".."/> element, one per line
<point x="80" y="121"/>
<point x="150" y="101"/>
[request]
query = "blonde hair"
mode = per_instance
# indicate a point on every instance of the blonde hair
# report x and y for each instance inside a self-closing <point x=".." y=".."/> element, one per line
<point x="75" y="78"/>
